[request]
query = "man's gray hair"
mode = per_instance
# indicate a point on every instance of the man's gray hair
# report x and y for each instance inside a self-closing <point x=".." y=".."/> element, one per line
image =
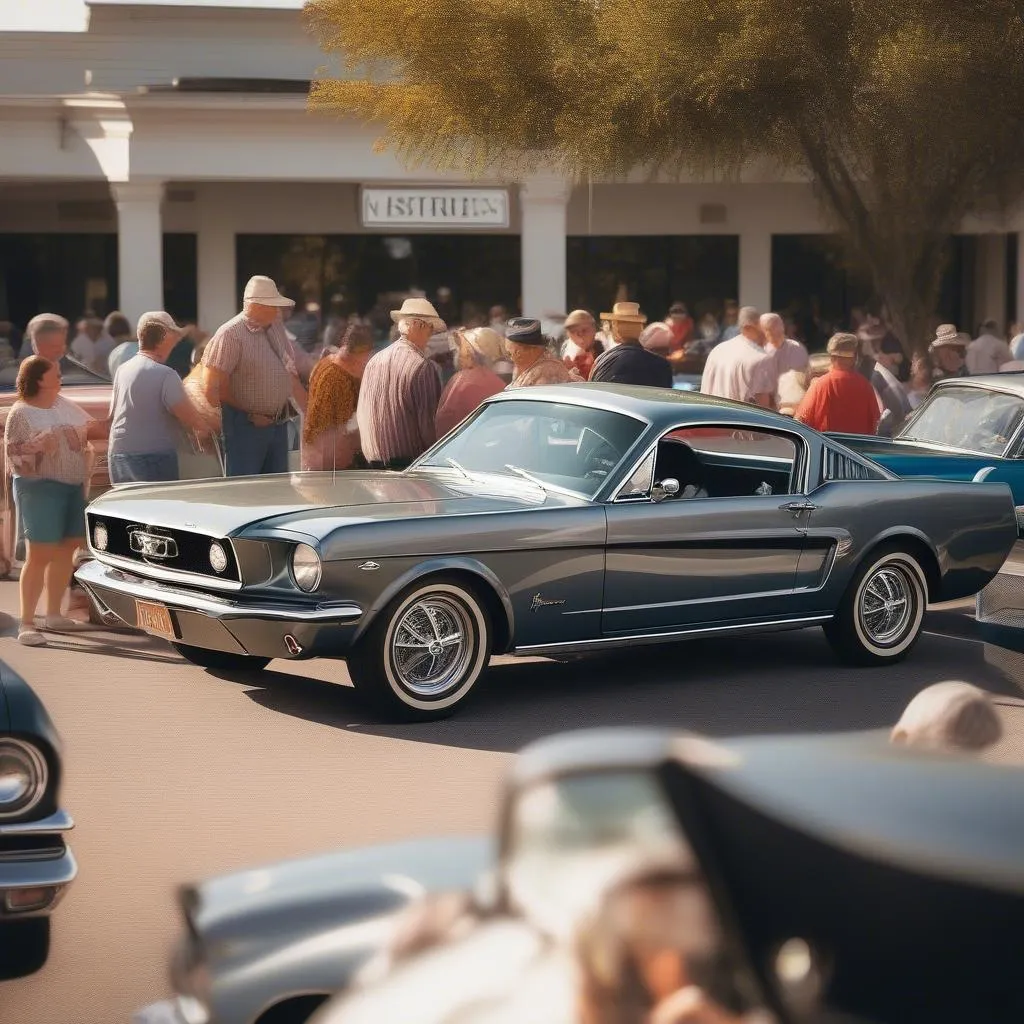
<point x="748" y="317"/>
<point x="45" y="323"/>
<point x="950" y="716"/>
<point x="408" y="321"/>
<point x="772" y="320"/>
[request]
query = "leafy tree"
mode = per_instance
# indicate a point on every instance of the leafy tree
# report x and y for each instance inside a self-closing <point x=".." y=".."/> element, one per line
<point x="906" y="117"/>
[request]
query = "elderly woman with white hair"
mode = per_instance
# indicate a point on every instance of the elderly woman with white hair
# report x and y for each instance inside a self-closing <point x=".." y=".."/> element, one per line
<point x="476" y="353"/>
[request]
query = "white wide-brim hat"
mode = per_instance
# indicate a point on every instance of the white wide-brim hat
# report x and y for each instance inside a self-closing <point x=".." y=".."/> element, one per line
<point x="419" y="309"/>
<point x="263" y="292"/>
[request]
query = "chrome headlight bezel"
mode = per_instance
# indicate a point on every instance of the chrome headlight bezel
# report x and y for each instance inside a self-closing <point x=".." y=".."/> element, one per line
<point x="37" y="771"/>
<point x="218" y="557"/>
<point x="307" y="568"/>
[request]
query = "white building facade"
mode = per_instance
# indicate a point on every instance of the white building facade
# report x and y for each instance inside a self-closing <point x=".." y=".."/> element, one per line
<point x="156" y="154"/>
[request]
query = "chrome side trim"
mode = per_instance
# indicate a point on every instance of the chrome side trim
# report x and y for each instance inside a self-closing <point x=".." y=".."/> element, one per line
<point x="786" y="592"/>
<point x="60" y="821"/>
<point x="160" y="573"/>
<point x="92" y="574"/>
<point x="605" y="643"/>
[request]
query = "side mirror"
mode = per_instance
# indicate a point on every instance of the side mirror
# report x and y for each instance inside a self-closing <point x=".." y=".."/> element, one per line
<point x="667" y="488"/>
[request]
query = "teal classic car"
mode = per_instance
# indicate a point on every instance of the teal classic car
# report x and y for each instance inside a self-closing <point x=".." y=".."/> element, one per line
<point x="966" y="425"/>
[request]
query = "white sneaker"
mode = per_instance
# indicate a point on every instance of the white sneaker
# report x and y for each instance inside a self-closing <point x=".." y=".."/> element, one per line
<point x="31" y="637"/>
<point x="62" y="624"/>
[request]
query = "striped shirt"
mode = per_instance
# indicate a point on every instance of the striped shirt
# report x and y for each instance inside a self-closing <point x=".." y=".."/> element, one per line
<point x="397" y="404"/>
<point x="259" y="363"/>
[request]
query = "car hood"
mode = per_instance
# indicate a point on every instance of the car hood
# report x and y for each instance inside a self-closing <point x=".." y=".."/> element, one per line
<point x="917" y="458"/>
<point x="241" y="914"/>
<point x="225" y="507"/>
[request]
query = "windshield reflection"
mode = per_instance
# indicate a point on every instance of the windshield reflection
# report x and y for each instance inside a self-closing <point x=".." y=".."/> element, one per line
<point x="967" y="417"/>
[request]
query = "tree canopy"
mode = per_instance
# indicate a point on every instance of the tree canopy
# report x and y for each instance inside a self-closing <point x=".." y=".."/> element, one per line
<point x="906" y="116"/>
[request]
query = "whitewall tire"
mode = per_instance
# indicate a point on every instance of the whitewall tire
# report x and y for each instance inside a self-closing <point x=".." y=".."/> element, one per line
<point x="424" y="654"/>
<point x="881" y="614"/>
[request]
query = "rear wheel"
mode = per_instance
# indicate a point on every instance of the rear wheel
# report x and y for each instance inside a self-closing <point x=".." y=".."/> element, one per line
<point x="880" y="616"/>
<point x="424" y="654"/>
<point x="221" y="661"/>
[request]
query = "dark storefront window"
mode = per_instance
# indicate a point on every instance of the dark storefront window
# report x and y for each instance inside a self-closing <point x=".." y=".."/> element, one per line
<point x="73" y="274"/>
<point x="815" y="282"/>
<point x="180" y="277"/>
<point x="356" y="273"/>
<point x="655" y="270"/>
<point x="65" y="274"/>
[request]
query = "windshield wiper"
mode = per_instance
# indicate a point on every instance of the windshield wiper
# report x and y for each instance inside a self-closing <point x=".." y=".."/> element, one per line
<point x="526" y="476"/>
<point x="88" y="369"/>
<point x="461" y="469"/>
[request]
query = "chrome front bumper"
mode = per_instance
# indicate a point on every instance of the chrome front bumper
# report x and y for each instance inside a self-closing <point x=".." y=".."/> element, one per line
<point x="34" y="856"/>
<point x="234" y="625"/>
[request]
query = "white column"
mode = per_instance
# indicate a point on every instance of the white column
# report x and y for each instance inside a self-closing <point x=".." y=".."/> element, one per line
<point x="218" y="294"/>
<point x="989" y="282"/>
<point x="543" y="203"/>
<point x="756" y="270"/>
<point x="140" y="262"/>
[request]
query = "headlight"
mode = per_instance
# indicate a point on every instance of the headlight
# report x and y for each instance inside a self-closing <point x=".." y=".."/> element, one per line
<point x="23" y="777"/>
<point x="100" y="537"/>
<point x="306" y="568"/>
<point x="218" y="557"/>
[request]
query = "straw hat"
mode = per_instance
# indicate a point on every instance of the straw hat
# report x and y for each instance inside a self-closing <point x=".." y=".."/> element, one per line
<point x="579" y="316"/>
<point x="625" y="312"/>
<point x="947" y="335"/>
<point x="262" y="291"/>
<point x="419" y="309"/>
<point x="489" y="343"/>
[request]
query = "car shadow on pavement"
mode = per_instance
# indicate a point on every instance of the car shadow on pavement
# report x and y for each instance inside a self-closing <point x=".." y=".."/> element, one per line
<point x="104" y="640"/>
<point x="784" y="682"/>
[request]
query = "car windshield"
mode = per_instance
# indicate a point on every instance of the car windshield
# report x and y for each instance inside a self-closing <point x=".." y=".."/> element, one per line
<point x="72" y="374"/>
<point x="570" y="837"/>
<point x="552" y="444"/>
<point x="967" y="417"/>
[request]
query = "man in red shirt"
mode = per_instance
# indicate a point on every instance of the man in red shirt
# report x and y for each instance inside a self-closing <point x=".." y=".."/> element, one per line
<point x="843" y="400"/>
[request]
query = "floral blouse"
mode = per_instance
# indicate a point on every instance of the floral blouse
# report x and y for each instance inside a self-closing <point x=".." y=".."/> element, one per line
<point x="49" y="444"/>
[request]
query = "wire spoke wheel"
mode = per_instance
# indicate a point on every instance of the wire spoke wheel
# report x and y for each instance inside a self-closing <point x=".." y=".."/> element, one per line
<point x="886" y="606"/>
<point x="431" y="645"/>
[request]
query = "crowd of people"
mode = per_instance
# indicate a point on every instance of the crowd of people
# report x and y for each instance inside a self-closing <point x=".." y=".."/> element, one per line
<point x="246" y="387"/>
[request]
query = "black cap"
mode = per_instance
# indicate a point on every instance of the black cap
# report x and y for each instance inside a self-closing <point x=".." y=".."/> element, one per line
<point x="525" y="331"/>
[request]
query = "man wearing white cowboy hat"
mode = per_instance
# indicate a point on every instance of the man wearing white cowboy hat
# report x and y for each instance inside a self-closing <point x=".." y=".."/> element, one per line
<point x="949" y="352"/>
<point x="400" y="390"/>
<point x="629" y="362"/>
<point x="249" y="371"/>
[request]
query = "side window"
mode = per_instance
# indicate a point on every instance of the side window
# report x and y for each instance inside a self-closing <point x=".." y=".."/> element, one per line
<point x="722" y="462"/>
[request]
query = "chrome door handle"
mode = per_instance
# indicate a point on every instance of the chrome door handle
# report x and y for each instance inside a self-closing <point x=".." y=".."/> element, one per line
<point x="797" y="507"/>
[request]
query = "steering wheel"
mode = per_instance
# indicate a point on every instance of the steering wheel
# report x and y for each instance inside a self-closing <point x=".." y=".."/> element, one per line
<point x="597" y="453"/>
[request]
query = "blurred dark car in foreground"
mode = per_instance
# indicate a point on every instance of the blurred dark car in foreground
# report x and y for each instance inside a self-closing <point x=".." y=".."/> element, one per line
<point x="554" y="521"/>
<point x="36" y="866"/>
<point x="898" y="872"/>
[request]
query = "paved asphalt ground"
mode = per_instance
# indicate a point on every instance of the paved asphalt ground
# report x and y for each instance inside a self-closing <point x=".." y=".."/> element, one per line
<point x="173" y="773"/>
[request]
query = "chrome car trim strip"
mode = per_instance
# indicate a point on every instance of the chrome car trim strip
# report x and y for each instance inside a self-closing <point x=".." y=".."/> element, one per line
<point x="60" y="821"/>
<point x="94" y="575"/>
<point x="653" y="638"/>
<point x="788" y="591"/>
<point x="160" y="573"/>
<point x="58" y="872"/>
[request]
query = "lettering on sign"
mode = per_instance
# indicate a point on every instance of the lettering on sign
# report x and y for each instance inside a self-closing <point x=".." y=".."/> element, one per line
<point x="435" y="207"/>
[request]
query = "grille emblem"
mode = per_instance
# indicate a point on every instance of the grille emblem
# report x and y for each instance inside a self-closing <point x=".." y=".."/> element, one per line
<point x="152" y="545"/>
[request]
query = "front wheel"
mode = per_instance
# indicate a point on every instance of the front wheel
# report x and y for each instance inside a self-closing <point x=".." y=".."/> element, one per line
<point x="221" y="661"/>
<point x="421" y="658"/>
<point x="880" y="616"/>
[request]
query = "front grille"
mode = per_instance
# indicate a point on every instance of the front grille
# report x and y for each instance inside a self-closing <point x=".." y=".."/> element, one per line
<point x="182" y="551"/>
<point x="22" y="848"/>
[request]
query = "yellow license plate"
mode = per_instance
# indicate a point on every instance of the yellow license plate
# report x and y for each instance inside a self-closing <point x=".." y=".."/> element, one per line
<point x="154" y="618"/>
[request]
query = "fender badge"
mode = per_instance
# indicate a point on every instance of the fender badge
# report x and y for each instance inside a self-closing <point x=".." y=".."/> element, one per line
<point x="539" y="602"/>
<point x="369" y="566"/>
